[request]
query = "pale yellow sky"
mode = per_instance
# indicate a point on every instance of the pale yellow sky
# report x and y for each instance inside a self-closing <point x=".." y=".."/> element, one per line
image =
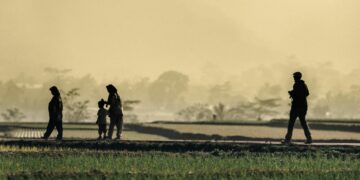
<point x="130" y="38"/>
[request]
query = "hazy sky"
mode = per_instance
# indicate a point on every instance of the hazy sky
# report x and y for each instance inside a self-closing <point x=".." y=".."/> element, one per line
<point x="146" y="37"/>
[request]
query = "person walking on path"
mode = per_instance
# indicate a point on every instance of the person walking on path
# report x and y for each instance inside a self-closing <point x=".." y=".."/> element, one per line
<point x="299" y="107"/>
<point x="115" y="111"/>
<point x="55" y="114"/>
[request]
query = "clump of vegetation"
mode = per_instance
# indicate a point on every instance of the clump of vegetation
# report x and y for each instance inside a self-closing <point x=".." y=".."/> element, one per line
<point x="250" y="110"/>
<point x="128" y="106"/>
<point x="75" y="110"/>
<point x="219" y="111"/>
<point x="13" y="114"/>
<point x="196" y="112"/>
<point x="261" y="107"/>
<point x="167" y="90"/>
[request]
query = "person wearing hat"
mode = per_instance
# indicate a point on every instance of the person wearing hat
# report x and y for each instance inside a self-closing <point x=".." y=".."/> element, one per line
<point x="55" y="114"/>
<point x="115" y="111"/>
<point x="299" y="108"/>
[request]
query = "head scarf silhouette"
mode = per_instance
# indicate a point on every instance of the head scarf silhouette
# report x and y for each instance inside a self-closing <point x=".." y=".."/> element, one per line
<point x="55" y="91"/>
<point x="111" y="89"/>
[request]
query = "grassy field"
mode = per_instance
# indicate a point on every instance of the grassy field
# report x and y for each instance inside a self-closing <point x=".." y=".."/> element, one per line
<point x="24" y="162"/>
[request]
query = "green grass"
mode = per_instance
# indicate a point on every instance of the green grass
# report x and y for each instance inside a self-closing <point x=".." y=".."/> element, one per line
<point x="65" y="163"/>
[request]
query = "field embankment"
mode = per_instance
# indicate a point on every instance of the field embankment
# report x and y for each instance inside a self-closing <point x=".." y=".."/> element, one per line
<point x="272" y="131"/>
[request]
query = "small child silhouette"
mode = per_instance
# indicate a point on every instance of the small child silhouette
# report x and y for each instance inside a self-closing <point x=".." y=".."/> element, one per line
<point x="101" y="120"/>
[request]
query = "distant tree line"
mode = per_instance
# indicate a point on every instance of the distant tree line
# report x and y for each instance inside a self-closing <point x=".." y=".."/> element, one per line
<point x="255" y="110"/>
<point x="26" y="97"/>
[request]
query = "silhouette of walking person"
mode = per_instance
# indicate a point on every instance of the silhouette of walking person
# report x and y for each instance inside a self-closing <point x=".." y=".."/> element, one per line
<point x="299" y="107"/>
<point x="55" y="114"/>
<point x="115" y="111"/>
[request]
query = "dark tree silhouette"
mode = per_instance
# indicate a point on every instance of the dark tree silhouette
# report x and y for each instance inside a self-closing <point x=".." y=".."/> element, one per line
<point x="165" y="92"/>
<point x="219" y="92"/>
<point x="13" y="114"/>
<point x="196" y="112"/>
<point x="241" y="111"/>
<point x="75" y="110"/>
<point x="265" y="106"/>
<point x="128" y="106"/>
<point x="220" y="111"/>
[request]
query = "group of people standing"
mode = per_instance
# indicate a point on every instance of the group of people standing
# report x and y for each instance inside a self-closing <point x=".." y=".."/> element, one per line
<point x="114" y="111"/>
<point x="299" y="107"/>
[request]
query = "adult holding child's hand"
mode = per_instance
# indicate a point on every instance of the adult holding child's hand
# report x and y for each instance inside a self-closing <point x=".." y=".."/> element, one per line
<point x="115" y="111"/>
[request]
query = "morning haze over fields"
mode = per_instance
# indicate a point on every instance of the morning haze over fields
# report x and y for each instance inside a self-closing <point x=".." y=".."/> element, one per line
<point x="179" y="89"/>
<point x="225" y="52"/>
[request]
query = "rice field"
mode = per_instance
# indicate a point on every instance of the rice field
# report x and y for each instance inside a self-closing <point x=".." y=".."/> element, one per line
<point x="64" y="163"/>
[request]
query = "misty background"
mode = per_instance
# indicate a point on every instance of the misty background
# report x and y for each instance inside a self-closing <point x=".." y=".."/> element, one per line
<point x="179" y="60"/>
